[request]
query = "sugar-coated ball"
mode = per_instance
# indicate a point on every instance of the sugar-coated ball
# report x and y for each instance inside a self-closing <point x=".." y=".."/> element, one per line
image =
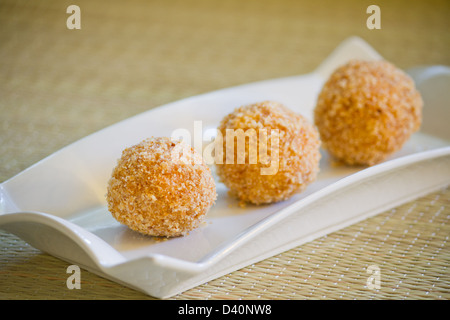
<point x="366" y="111"/>
<point x="161" y="187"/>
<point x="281" y="154"/>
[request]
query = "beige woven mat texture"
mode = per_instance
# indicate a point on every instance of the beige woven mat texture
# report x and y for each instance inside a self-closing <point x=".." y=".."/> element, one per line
<point x="58" y="85"/>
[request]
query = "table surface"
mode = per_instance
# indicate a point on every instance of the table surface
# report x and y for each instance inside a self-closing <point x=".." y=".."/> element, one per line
<point x="59" y="85"/>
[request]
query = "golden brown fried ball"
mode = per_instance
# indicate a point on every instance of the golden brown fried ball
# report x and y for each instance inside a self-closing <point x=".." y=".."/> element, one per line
<point x="288" y="167"/>
<point x="366" y="111"/>
<point x="159" y="189"/>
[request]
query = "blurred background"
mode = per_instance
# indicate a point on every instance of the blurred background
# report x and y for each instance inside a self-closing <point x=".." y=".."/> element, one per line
<point x="58" y="85"/>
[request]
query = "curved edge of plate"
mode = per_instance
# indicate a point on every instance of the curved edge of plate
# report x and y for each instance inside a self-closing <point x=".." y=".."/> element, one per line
<point x="60" y="238"/>
<point x="354" y="47"/>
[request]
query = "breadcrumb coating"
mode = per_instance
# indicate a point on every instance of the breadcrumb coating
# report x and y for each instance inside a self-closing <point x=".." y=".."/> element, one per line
<point x="366" y="111"/>
<point x="156" y="192"/>
<point x="297" y="154"/>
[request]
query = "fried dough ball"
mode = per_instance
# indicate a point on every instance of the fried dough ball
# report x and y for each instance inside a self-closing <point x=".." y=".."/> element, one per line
<point x="366" y="111"/>
<point x="290" y="142"/>
<point x="161" y="187"/>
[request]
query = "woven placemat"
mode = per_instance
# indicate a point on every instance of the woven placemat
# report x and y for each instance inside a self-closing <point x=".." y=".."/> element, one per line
<point x="58" y="85"/>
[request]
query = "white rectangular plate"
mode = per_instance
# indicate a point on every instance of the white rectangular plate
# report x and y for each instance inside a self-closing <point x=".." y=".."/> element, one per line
<point x="58" y="205"/>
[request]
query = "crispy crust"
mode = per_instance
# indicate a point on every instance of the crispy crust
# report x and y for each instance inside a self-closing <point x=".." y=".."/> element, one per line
<point x="155" y="195"/>
<point x="366" y="111"/>
<point x="298" y="154"/>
